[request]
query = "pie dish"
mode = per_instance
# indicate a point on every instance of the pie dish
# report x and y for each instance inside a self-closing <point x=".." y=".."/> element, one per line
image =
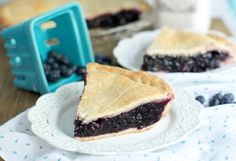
<point x="99" y="14"/>
<point x="183" y="51"/>
<point x="117" y="101"/>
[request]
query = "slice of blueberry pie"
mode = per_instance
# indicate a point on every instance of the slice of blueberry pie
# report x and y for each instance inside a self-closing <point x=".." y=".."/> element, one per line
<point x="181" y="51"/>
<point x="117" y="101"/>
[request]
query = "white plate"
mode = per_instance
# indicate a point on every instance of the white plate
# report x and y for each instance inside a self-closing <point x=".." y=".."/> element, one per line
<point x="130" y="51"/>
<point x="53" y="115"/>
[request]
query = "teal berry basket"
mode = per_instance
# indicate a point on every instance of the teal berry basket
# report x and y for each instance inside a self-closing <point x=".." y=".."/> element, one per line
<point x="63" y="30"/>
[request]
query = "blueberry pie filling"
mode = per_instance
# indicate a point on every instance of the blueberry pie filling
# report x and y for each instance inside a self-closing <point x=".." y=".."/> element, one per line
<point x="199" y="63"/>
<point x="117" y="101"/>
<point x="140" y="117"/>
<point x="110" y="20"/>
<point x="181" y="51"/>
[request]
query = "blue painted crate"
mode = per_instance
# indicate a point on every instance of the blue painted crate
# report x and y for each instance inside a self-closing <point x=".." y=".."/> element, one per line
<point x="63" y="30"/>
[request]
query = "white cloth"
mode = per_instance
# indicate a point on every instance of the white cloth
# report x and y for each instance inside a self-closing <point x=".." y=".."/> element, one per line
<point x="215" y="140"/>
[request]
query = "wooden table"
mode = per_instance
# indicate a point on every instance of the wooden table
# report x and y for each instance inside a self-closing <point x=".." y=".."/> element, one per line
<point x="14" y="101"/>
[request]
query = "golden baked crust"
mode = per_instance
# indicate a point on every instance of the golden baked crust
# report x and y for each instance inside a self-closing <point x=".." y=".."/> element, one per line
<point x="110" y="91"/>
<point x="175" y="42"/>
<point x="20" y="10"/>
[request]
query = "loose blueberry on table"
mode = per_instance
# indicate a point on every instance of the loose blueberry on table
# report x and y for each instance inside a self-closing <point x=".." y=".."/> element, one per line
<point x="57" y="66"/>
<point x="227" y="98"/>
<point x="214" y="102"/>
<point x="217" y="99"/>
<point x="200" y="99"/>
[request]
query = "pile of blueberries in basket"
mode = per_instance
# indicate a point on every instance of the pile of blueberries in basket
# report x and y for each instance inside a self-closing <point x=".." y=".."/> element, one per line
<point x="57" y="66"/>
<point x="217" y="99"/>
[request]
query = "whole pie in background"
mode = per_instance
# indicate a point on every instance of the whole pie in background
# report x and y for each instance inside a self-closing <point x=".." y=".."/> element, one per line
<point x="99" y="13"/>
<point x="117" y="101"/>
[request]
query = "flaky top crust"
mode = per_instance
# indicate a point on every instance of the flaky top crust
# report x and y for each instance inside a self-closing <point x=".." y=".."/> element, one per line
<point x="110" y="91"/>
<point x="175" y="42"/>
<point x="18" y="11"/>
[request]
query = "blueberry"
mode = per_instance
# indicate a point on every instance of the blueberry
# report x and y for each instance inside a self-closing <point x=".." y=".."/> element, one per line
<point x="47" y="72"/>
<point x="72" y="67"/>
<point x="50" y="60"/>
<point x="200" y="99"/>
<point x="92" y="127"/>
<point x="167" y="61"/>
<point x="53" y="76"/>
<point x="214" y="102"/>
<point x="46" y="67"/>
<point x="133" y="16"/>
<point x="214" y="64"/>
<point x="230" y="95"/>
<point x="58" y="57"/>
<point x="80" y="70"/>
<point x="107" y="59"/>
<point x="207" y="57"/>
<point x="186" y="68"/>
<point x="63" y="67"/>
<point x="224" y="56"/>
<point x="52" y="54"/>
<point x="66" y="72"/>
<point x="103" y="59"/>
<point x="145" y="67"/>
<point x="98" y="58"/>
<point x="183" y="60"/>
<point x="196" y="69"/>
<point x="201" y="63"/>
<point x="139" y="117"/>
<point x="57" y="71"/>
<point x="55" y="65"/>
<point x="218" y="96"/>
<point x="120" y="19"/>
<point x="177" y="65"/>
<point x="55" y="55"/>
<point x="63" y="60"/>
<point x="227" y="98"/>
<point x="129" y="17"/>
<point x="107" y="22"/>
